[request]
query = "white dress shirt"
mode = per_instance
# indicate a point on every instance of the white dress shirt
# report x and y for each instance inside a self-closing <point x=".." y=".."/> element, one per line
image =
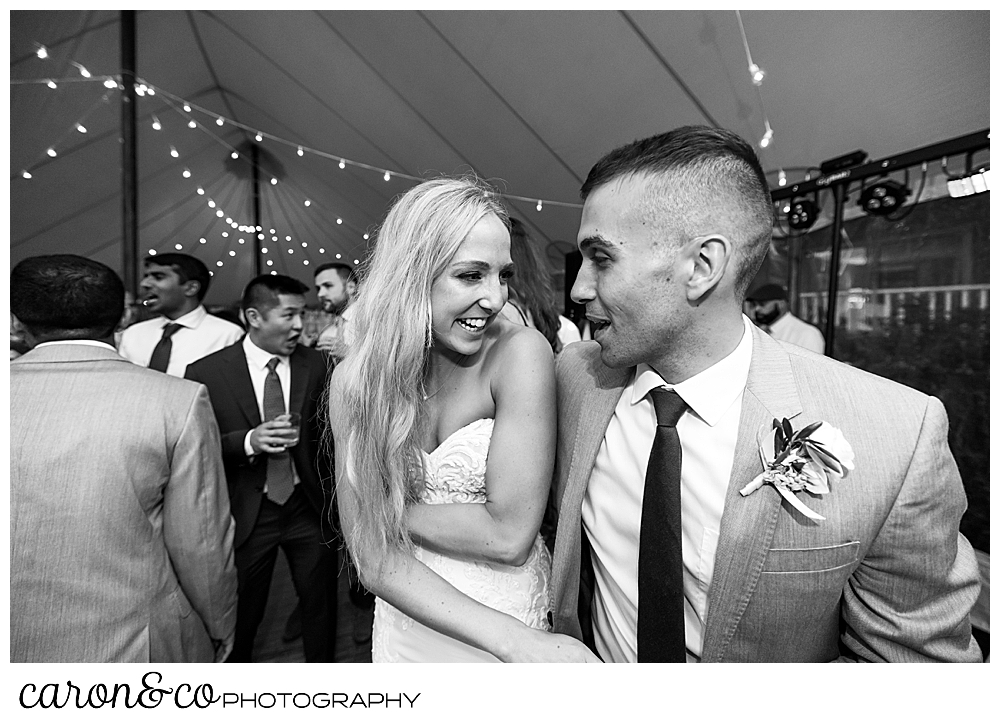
<point x="612" y="506"/>
<point x="792" y="329"/>
<point x="257" y="360"/>
<point x="202" y="335"/>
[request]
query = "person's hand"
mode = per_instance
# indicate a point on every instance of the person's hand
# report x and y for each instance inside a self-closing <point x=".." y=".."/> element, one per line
<point x="223" y="648"/>
<point x="273" y="437"/>
<point x="542" y="647"/>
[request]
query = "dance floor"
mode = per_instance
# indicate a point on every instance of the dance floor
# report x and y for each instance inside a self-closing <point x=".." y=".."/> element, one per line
<point x="270" y="648"/>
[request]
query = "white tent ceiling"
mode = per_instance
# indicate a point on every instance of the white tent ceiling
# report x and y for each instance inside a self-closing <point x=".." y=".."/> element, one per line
<point x="528" y="99"/>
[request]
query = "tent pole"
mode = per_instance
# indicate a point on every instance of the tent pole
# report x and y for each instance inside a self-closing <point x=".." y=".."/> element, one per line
<point x="130" y="195"/>
<point x="255" y="164"/>
<point x="831" y="304"/>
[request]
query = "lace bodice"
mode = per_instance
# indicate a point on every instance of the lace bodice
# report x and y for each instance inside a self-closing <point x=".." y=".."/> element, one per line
<point x="456" y="472"/>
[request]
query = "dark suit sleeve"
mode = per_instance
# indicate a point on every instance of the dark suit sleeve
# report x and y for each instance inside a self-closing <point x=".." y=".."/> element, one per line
<point x="197" y="526"/>
<point x="232" y="440"/>
<point x="910" y="599"/>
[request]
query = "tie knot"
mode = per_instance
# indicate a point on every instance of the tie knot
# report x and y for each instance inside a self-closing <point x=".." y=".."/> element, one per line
<point x="170" y="329"/>
<point x="669" y="406"/>
<point x="273" y="363"/>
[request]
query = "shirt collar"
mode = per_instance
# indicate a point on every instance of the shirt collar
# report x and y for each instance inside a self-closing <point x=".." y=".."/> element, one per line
<point x="257" y="357"/>
<point x="190" y="320"/>
<point x="710" y="392"/>
<point x="85" y="342"/>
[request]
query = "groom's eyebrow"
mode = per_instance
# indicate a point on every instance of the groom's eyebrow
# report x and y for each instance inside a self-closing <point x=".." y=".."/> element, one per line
<point x="597" y="243"/>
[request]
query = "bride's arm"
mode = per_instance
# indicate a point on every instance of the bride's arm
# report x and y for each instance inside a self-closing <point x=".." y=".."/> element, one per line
<point x="416" y="590"/>
<point x="519" y="467"/>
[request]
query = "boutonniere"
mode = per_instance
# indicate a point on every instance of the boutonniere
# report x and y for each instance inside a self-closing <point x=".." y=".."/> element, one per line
<point x="805" y="460"/>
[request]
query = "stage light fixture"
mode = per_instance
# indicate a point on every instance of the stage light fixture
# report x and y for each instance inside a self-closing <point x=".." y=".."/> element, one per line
<point x="883" y="197"/>
<point x="802" y="213"/>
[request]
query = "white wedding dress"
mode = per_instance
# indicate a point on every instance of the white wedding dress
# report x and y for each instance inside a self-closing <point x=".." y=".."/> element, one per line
<point x="456" y="472"/>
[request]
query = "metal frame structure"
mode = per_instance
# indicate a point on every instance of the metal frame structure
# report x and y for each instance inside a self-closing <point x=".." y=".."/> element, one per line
<point x="839" y="181"/>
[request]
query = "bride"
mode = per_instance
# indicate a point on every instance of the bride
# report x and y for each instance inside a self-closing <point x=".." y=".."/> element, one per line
<point x="443" y="417"/>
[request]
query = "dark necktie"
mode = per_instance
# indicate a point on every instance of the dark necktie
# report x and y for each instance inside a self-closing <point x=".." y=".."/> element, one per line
<point x="280" y="478"/>
<point x="161" y="352"/>
<point x="660" y="635"/>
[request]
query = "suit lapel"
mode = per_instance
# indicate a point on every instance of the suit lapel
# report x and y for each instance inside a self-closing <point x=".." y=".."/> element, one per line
<point x="238" y="379"/>
<point x="748" y="522"/>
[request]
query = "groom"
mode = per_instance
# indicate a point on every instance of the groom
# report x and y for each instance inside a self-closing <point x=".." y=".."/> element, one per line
<point x="658" y="555"/>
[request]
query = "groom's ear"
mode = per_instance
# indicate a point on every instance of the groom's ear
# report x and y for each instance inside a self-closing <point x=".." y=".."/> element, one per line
<point x="708" y="259"/>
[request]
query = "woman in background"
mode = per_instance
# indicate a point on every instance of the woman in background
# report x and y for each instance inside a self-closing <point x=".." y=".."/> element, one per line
<point x="443" y="417"/>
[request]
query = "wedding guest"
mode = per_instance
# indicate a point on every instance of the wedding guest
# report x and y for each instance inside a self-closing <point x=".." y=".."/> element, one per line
<point x="769" y="306"/>
<point x="690" y="528"/>
<point x="336" y="285"/>
<point x="530" y="301"/>
<point x="121" y="534"/>
<point x="279" y="484"/>
<point x="174" y="286"/>
<point x="436" y="380"/>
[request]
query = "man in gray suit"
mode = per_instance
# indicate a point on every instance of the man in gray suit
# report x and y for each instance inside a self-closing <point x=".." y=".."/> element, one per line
<point x="705" y="514"/>
<point x="120" y="532"/>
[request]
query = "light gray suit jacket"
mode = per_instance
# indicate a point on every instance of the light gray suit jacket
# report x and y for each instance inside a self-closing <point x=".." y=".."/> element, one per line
<point x="885" y="577"/>
<point x="121" y="538"/>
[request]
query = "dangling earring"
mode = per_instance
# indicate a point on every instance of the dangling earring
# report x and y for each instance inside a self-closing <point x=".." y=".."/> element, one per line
<point x="429" y="339"/>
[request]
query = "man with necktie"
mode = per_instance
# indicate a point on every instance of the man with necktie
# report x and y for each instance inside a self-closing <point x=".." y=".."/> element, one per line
<point x="723" y="496"/>
<point x="280" y="486"/>
<point x="174" y="286"/>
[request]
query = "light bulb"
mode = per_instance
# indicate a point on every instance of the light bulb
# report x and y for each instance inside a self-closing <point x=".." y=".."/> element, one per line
<point x="342" y="164"/>
<point x="287" y="238"/>
<point x="274" y="181"/>
<point x="140" y="91"/>
<point x="42" y="52"/>
<point x="80" y="128"/>
<point x="338" y="256"/>
<point x="274" y="273"/>
<point x="264" y="250"/>
<point x="234" y="155"/>
<point x="52" y="84"/>
<point x="539" y="206"/>
<point x="174" y="153"/>
<point x="178" y="246"/>
<point x="322" y="251"/>
<point x="219" y="213"/>
<point x="258" y="137"/>
<point x="300" y="151"/>
<point x="218" y="263"/>
<point x="275" y="238"/>
<point x="152" y="252"/>
<point x="386" y="176"/>
<point x="243" y="240"/>
<point x="756" y="74"/>
<point x="151" y="91"/>
<point x="366" y="237"/>
<point x="156" y="124"/>
<point x="83" y="71"/>
<point x="766" y="140"/>
<point x="25" y="174"/>
<point x="261" y="237"/>
<point x="305" y="245"/>
<point x="51" y="152"/>
<point x="307" y="202"/>
<point x="305" y="262"/>
<point x="782" y="178"/>
<point x="291" y="251"/>
<point x="201" y="191"/>
<point x="211" y="203"/>
<point x="270" y="263"/>
<point x="187" y="108"/>
<point x="232" y="253"/>
<point x="186" y="173"/>
<point x="340" y="220"/>
<point x="110" y="83"/>
<point x="192" y="124"/>
<point x="229" y="221"/>
<point x="202" y="240"/>
<point x="219" y="121"/>
<point x="356" y="262"/>
<point x="225" y="234"/>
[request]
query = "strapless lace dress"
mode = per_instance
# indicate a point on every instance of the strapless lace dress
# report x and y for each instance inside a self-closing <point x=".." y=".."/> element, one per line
<point x="456" y="472"/>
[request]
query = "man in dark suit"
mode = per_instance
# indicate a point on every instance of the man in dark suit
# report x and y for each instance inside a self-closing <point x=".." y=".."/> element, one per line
<point x="280" y="486"/>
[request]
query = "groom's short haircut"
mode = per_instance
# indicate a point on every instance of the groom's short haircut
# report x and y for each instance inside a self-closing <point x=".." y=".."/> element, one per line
<point x="64" y="296"/>
<point x="716" y="175"/>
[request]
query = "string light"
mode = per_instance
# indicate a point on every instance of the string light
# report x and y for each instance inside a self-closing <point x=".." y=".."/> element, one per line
<point x="80" y="128"/>
<point x="192" y="124"/>
<point x="305" y="262"/>
<point x="156" y="124"/>
<point x="219" y="121"/>
<point x="83" y="71"/>
<point x="756" y="74"/>
<point x="782" y="178"/>
<point x="219" y="213"/>
<point x="307" y="202"/>
<point x="264" y="250"/>
<point x="234" y="155"/>
<point x="25" y="174"/>
<point x="305" y="245"/>
<point x="52" y="84"/>
<point x="300" y="151"/>
<point x="338" y="256"/>
<point x="225" y="234"/>
<point x="152" y="252"/>
<point x="340" y="220"/>
<point x="186" y="173"/>
<point x="187" y="108"/>
<point x="344" y="165"/>
<point x="211" y="203"/>
<point x="274" y="181"/>
<point x="232" y="253"/>
<point x="243" y="240"/>
<point x="202" y="240"/>
<point x="174" y="153"/>
<point x="258" y="137"/>
<point x="539" y="206"/>
<point x="218" y="263"/>
<point x="178" y="246"/>
<point x="42" y="52"/>
<point x="110" y="83"/>
<point x="386" y="176"/>
<point x="365" y="237"/>
<point x="768" y="137"/>
<point x="51" y="152"/>
<point x="269" y="262"/>
<point x="140" y="91"/>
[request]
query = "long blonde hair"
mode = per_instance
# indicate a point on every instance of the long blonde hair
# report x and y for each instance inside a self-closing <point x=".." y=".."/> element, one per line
<point x="379" y="393"/>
